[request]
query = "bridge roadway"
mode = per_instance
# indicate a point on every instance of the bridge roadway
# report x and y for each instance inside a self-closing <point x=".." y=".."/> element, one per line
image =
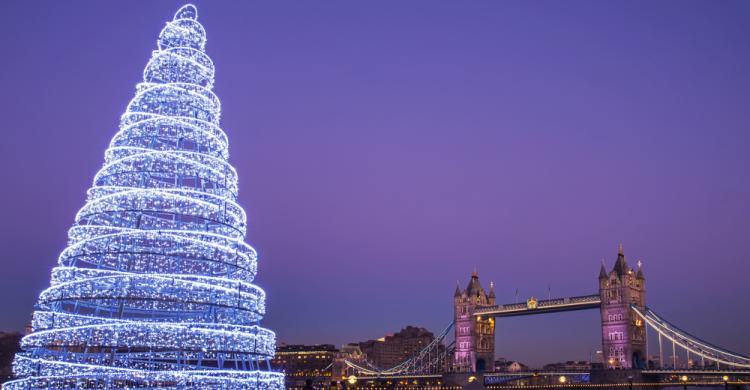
<point x="656" y="375"/>
<point x="687" y="371"/>
<point x="539" y="307"/>
<point x="697" y="371"/>
<point x="579" y="379"/>
<point x="538" y="373"/>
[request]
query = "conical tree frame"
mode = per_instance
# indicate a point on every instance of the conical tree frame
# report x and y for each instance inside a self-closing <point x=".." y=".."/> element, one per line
<point x="154" y="289"/>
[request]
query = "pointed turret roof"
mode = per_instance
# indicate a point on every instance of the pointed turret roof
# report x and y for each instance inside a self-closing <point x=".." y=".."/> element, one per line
<point x="602" y="271"/>
<point x="458" y="291"/>
<point x="621" y="266"/>
<point x="474" y="286"/>
<point x="492" y="289"/>
<point x="639" y="275"/>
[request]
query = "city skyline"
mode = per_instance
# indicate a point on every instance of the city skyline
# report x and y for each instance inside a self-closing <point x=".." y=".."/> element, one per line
<point x="386" y="151"/>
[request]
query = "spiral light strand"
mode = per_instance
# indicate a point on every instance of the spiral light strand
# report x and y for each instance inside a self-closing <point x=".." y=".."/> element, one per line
<point x="154" y="289"/>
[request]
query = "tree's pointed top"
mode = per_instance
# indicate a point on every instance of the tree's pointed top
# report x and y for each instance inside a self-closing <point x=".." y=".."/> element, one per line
<point x="187" y="11"/>
<point x="184" y="31"/>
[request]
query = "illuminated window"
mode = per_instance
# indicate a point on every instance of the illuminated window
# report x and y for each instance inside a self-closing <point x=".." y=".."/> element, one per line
<point x="613" y="336"/>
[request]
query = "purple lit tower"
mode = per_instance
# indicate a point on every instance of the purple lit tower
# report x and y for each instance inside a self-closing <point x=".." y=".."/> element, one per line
<point x="475" y="336"/>
<point x="623" y="333"/>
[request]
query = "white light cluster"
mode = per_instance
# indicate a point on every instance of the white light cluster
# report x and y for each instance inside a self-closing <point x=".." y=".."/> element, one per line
<point x="155" y="287"/>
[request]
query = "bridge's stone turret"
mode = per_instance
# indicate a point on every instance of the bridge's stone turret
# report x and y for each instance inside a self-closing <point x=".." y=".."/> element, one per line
<point x="475" y="336"/>
<point x="623" y="333"/>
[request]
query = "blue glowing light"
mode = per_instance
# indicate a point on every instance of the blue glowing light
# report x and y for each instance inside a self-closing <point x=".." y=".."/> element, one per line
<point x="154" y="289"/>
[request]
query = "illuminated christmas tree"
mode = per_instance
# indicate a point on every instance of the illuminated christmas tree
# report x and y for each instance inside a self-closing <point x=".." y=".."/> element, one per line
<point x="154" y="288"/>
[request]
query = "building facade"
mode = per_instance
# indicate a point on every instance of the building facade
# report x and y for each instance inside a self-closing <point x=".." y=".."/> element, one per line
<point x="503" y="365"/>
<point x="391" y="350"/>
<point x="623" y="332"/>
<point x="302" y="362"/>
<point x="10" y="344"/>
<point x="475" y="336"/>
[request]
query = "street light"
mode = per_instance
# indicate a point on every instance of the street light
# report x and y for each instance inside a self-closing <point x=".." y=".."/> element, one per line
<point x="630" y="382"/>
<point x="684" y="380"/>
<point x="726" y="382"/>
<point x="562" y="379"/>
<point x="352" y="380"/>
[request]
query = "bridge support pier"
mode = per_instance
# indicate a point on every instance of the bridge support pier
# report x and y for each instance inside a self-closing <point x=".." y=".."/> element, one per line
<point x="605" y="376"/>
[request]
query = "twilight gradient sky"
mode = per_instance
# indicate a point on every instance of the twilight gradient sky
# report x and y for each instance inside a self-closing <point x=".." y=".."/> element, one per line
<point x="386" y="148"/>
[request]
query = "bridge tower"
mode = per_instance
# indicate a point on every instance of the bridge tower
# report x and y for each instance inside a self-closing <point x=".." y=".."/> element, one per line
<point x="475" y="336"/>
<point x="623" y="332"/>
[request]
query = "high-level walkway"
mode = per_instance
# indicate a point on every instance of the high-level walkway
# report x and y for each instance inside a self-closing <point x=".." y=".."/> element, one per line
<point x="540" y="307"/>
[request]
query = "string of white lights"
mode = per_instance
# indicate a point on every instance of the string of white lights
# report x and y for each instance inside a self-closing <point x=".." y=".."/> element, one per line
<point x="154" y="289"/>
<point x="691" y="343"/>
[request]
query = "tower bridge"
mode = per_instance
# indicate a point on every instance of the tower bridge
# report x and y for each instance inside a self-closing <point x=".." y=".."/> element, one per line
<point x="623" y="330"/>
<point x="625" y="325"/>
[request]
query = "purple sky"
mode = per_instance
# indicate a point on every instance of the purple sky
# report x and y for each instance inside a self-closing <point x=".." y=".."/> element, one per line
<point x="386" y="148"/>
